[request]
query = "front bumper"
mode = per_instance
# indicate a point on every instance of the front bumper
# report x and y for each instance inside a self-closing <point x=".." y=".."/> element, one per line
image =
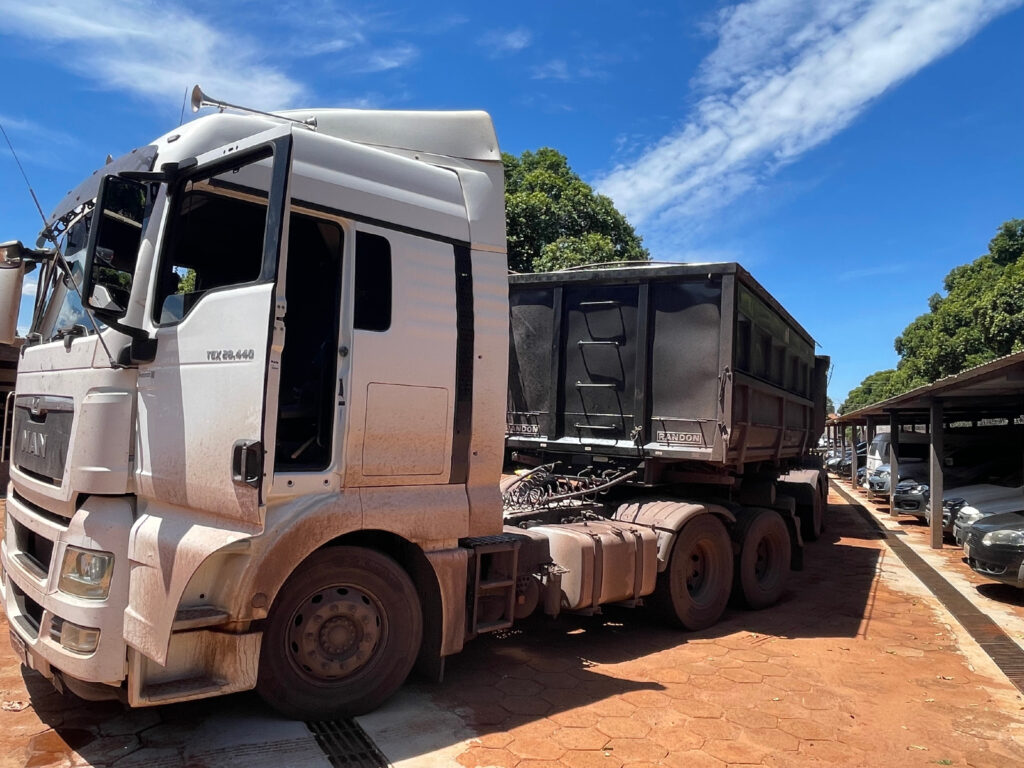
<point x="1000" y="563"/>
<point x="31" y="555"/>
<point x="878" y="486"/>
<point x="912" y="504"/>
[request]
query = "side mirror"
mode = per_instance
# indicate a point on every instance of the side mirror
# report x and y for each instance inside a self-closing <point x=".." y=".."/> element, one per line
<point x="114" y="240"/>
<point x="12" y="276"/>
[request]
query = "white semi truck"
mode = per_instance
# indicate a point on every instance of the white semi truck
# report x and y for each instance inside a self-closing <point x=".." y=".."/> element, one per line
<point x="261" y="415"/>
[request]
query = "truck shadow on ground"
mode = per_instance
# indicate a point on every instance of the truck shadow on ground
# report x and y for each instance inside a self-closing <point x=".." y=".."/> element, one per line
<point x="537" y="670"/>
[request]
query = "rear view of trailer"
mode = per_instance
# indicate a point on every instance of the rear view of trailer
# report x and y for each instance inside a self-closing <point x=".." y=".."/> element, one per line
<point x="669" y="364"/>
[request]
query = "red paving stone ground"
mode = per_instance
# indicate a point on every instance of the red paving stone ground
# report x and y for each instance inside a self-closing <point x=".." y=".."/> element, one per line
<point x="850" y="669"/>
<point x="856" y="666"/>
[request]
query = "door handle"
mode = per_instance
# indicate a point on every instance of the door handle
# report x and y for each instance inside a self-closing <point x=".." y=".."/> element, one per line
<point x="247" y="462"/>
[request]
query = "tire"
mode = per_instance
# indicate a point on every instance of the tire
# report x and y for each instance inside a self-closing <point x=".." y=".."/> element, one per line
<point x="693" y="591"/>
<point x="762" y="567"/>
<point x="824" y="503"/>
<point x="341" y="637"/>
<point x="812" y="518"/>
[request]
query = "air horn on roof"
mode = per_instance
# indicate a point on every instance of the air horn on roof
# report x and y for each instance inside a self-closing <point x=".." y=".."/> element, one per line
<point x="200" y="100"/>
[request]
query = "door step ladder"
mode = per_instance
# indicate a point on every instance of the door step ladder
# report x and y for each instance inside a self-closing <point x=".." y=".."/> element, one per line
<point x="492" y="595"/>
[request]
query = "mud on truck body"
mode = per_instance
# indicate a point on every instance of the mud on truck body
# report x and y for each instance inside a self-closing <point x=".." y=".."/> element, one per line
<point x="260" y="426"/>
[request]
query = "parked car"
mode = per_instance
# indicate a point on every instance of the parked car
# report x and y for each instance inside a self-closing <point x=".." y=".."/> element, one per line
<point x="994" y="547"/>
<point x="843" y="467"/>
<point x="878" y="482"/>
<point x="991" y="500"/>
<point x="912" y="497"/>
<point x="912" y="448"/>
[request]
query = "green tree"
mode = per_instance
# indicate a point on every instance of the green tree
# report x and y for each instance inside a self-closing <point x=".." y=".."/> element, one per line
<point x="876" y="387"/>
<point x="829" y="405"/>
<point x="980" y="317"/>
<point x="555" y="220"/>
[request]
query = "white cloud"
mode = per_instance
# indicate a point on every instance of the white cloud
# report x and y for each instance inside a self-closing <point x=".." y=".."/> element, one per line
<point x="785" y="76"/>
<point x="556" y="69"/>
<point x="28" y="287"/>
<point x="386" y="59"/>
<point x="153" y="49"/>
<point x="503" y="43"/>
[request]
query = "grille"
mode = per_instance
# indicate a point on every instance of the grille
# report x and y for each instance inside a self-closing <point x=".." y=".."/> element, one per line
<point x="37" y="548"/>
<point x="32" y="612"/>
<point x="986" y="567"/>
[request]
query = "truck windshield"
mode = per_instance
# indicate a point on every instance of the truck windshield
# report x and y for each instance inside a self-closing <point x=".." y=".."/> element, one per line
<point x="60" y="308"/>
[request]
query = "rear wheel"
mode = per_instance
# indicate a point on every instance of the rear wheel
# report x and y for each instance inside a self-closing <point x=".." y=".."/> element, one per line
<point x="762" y="568"/>
<point x="693" y="591"/>
<point x="812" y="517"/>
<point x="342" y="636"/>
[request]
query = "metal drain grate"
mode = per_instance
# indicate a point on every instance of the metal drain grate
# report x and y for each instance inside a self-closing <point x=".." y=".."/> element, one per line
<point x="1007" y="655"/>
<point x="347" y="745"/>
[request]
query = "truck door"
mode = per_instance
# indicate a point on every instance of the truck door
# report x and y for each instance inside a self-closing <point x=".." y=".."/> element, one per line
<point x="204" y="439"/>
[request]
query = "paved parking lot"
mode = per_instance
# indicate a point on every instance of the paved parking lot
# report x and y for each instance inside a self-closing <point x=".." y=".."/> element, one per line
<point x="858" y="665"/>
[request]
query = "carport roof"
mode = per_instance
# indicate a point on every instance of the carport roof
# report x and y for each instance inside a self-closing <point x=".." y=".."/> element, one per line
<point x="993" y="389"/>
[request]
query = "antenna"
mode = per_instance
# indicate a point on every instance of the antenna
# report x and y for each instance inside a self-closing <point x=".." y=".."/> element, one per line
<point x="200" y="100"/>
<point x="58" y="255"/>
<point x="25" y="177"/>
<point x="184" y="100"/>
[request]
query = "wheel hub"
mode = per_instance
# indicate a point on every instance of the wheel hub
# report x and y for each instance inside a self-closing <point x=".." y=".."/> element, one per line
<point x="697" y="571"/>
<point x="335" y="632"/>
<point x="762" y="561"/>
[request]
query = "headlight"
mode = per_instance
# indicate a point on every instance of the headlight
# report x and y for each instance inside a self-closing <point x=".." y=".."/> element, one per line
<point x="968" y="515"/>
<point x="86" y="573"/>
<point x="1009" y="538"/>
<point x="883" y="475"/>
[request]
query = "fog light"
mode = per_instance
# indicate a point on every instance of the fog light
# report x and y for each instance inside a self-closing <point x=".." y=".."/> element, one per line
<point x="86" y="573"/>
<point x="79" y="639"/>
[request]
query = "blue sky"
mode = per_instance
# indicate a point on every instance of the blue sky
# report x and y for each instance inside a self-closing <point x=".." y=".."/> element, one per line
<point x="847" y="152"/>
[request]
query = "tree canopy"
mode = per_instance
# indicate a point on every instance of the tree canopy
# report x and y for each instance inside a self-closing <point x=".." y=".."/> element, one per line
<point x="555" y="220"/>
<point x="877" y="386"/>
<point x="980" y="318"/>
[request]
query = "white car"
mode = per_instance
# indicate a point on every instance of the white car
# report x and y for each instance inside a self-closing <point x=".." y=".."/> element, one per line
<point x="966" y="505"/>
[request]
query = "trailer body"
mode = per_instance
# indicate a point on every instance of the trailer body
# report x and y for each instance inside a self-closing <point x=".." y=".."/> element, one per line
<point x="691" y="365"/>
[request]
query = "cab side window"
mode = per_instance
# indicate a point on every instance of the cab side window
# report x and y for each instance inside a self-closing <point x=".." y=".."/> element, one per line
<point x="215" y="240"/>
<point x="372" y="306"/>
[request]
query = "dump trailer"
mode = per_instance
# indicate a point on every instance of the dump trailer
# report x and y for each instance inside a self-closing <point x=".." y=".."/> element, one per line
<point x="260" y="421"/>
<point x="680" y="398"/>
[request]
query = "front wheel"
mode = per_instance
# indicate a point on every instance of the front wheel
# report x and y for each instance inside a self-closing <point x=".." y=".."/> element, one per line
<point x="693" y="591"/>
<point x="342" y="635"/>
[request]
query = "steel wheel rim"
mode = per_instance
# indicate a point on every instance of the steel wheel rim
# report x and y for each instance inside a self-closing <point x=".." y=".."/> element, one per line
<point x="335" y="632"/>
<point x="763" y="560"/>
<point x="698" y="565"/>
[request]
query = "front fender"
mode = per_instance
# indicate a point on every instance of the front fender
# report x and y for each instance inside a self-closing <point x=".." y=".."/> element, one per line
<point x="166" y="547"/>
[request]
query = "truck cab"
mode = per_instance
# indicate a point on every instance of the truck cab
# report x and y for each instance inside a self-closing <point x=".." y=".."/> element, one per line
<point x="262" y="335"/>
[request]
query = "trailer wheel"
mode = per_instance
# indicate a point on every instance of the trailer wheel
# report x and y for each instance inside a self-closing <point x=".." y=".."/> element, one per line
<point x="813" y="522"/>
<point x="342" y="636"/>
<point x="762" y="568"/>
<point x="693" y="591"/>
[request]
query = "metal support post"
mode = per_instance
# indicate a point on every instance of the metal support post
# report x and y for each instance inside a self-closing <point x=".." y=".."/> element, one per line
<point x="935" y="483"/>
<point x="853" y="459"/>
<point x="894" y="462"/>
